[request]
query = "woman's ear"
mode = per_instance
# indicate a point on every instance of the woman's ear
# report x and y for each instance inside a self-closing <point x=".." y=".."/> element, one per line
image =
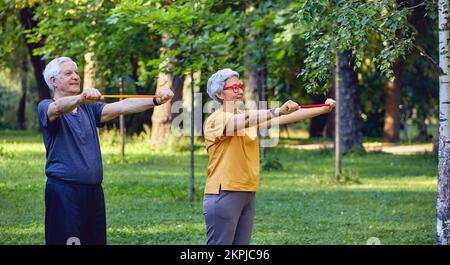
<point x="220" y="96"/>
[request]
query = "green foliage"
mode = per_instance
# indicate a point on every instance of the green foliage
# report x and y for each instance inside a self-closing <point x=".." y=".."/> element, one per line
<point x="12" y="35"/>
<point x="174" y="144"/>
<point x="270" y="164"/>
<point x="336" y="26"/>
<point x="73" y="28"/>
<point x="271" y="161"/>
<point x="134" y="40"/>
<point x="5" y="154"/>
<point x="195" y="35"/>
<point x="8" y="99"/>
<point x="418" y="79"/>
<point x="110" y="136"/>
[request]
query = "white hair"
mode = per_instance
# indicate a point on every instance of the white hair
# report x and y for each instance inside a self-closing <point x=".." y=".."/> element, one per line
<point x="217" y="81"/>
<point x="53" y="69"/>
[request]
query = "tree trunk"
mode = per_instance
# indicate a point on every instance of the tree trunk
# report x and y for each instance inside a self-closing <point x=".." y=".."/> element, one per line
<point x="443" y="203"/>
<point x="21" y="119"/>
<point x="122" y="127"/>
<point x="436" y="146"/>
<point x="422" y="134"/>
<point x="337" y="117"/>
<point x="392" y="121"/>
<point x="255" y="79"/>
<point x="26" y="17"/>
<point x="135" y="76"/>
<point x="330" y="128"/>
<point x="136" y="121"/>
<point x="89" y="71"/>
<point x="318" y="123"/>
<point x="192" y="134"/>
<point x="21" y="122"/>
<point x="162" y="116"/>
<point x="349" y="105"/>
<point x="253" y="83"/>
<point x="252" y="76"/>
<point x="255" y="71"/>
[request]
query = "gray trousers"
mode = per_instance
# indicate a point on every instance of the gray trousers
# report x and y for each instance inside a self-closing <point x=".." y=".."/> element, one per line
<point x="229" y="217"/>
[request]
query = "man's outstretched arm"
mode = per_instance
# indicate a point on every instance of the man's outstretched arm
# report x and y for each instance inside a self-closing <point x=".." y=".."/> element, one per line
<point x="133" y="105"/>
<point x="67" y="104"/>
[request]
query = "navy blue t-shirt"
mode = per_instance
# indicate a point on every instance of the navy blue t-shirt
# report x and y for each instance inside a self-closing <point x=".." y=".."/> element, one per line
<point x="71" y="141"/>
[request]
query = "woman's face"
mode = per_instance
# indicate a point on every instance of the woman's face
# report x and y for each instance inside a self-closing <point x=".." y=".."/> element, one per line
<point x="233" y="91"/>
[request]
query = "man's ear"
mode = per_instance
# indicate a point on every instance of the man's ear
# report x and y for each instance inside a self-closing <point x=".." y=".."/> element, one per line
<point x="53" y="81"/>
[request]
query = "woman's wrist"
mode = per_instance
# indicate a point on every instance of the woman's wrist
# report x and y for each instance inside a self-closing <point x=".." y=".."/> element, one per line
<point x="275" y="111"/>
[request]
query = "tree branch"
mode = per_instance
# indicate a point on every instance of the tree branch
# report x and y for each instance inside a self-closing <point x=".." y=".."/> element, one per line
<point x="421" y="52"/>
<point x="407" y="9"/>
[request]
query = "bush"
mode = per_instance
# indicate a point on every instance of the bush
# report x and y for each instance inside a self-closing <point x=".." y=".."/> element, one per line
<point x="175" y="143"/>
<point x="109" y="136"/>
<point x="271" y="162"/>
<point x="8" y="109"/>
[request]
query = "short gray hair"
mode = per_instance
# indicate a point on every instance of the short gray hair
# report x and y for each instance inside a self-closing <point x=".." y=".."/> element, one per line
<point x="53" y="69"/>
<point x="217" y="81"/>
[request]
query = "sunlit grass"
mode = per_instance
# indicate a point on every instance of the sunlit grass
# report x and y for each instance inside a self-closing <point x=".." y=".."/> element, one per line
<point x="386" y="196"/>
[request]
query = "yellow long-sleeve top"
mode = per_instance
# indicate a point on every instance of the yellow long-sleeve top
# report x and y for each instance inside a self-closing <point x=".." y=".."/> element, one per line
<point x="233" y="160"/>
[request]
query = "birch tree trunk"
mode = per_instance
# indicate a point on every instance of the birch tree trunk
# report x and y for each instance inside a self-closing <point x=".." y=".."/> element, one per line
<point x="443" y="213"/>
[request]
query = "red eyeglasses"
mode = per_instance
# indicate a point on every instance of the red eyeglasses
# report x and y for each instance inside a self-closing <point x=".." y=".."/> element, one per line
<point x="235" y="87"/>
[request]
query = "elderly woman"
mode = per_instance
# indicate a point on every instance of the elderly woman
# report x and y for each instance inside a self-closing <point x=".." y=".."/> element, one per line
<point x="233" y="148"/>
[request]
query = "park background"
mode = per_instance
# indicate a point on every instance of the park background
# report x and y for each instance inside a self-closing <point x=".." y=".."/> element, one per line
<point x="381" y="54"/>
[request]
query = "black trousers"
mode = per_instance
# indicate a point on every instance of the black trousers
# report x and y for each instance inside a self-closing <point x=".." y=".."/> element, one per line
<point x="74" y="214"/>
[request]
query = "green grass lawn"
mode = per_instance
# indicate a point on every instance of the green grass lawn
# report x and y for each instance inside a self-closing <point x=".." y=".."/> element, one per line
<point x="386" y="196"/>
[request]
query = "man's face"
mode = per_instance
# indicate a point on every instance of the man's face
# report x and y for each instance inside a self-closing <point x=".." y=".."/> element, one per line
<point x="69" y="80"/>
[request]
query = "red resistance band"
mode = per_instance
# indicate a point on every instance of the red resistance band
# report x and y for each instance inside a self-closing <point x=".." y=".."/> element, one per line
<point x="314" y="106"/>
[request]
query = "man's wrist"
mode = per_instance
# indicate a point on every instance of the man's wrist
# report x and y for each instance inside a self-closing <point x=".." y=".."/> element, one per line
<point x="80" y="99"/>
<point x="156" y="101"/>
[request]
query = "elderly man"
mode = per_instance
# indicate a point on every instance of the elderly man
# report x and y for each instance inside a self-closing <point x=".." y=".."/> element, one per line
<point x="74" y="202"/>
